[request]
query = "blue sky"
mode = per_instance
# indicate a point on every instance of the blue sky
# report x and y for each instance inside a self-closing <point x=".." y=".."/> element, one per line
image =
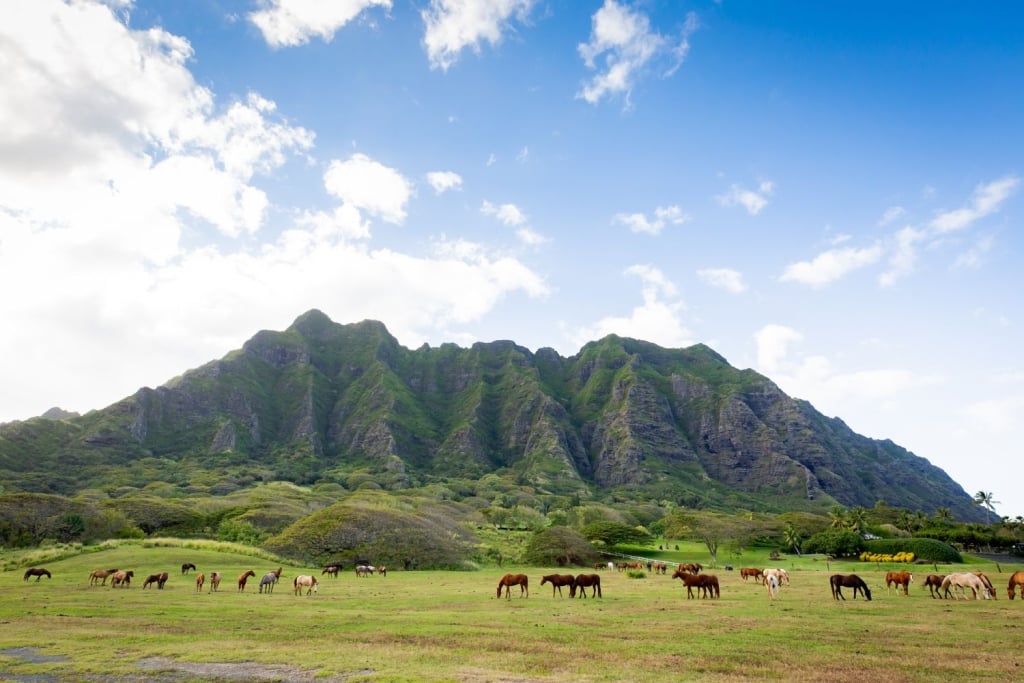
<point x="829" y="193"/>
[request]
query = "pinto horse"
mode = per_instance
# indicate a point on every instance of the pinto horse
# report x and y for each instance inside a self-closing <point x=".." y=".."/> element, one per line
<point x="186" y="567"/>
<point x="584" y="581"/>
<point x="1016" y="579"/>
<point x="242" y="579"/>
<point x="751" y="573"/>
<point x="839" y="581"/>
<point x="37" y="572"/>
<point x="158" y="579"/>
<point x="510" y="580"/>
<point x="934" y="583"/>
<point x="557" y="581"/>
<point x="771" y="584"/>
<point x="98" y="574"/>
<point x="305" y="581"/>
<point x="898" y="579"/>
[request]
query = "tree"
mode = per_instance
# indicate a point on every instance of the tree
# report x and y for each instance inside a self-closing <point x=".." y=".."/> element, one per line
<point x="986" y="501"/>
<point x="560" y="546"/>
<point x="943" y="515"/>
<point x="792" y="538"/>
<point x="712" y="529"/>
<point x="615" y="533"/>
<point x="837" y="517"/>
<point x="857" y="519"/>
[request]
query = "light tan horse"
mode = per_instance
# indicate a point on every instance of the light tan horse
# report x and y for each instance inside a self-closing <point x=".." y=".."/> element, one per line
<point x="98" y="574"/>
<point x="960" y="582"/>
<point x="121" y="578"/>
<point x="215" y="582"/>
<point x="1016" y="579"/>
<point x="305" y="581"/>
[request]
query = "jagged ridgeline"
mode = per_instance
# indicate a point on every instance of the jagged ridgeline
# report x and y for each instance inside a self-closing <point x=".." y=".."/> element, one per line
<point x="621" y="420"/>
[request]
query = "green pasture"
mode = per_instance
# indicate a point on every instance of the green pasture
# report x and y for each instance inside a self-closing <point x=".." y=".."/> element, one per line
<point x="449" y="626"/>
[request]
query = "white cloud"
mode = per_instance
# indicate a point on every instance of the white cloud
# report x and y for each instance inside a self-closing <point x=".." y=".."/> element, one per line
<point x="369" y="186"/>
<point x="903" y="255"/>
<point x="442" y="181"/>
<point x="773" y="343"/>
<point x="891" y="214"/>
<point x="999" y="415"/>
<point x="530" y="237"/>
<point x="508" y="214"/>
<point x="663" y="215"/>
<point x="975" y="256"/>
<point x="830" y="266"/>
<point x="453" y="25"/>
<point x="985" y="200"/>
<point x="751" y="200"/>
<point x="724" y="278"/>
<point x="286" y="23"/>
<point x="628" y="44"/>
<point x="658" y="319"/>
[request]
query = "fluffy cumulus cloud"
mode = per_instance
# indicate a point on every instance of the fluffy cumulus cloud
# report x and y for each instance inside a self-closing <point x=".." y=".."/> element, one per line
<point x="751" y="200"/>
<point x="657" y="319"/>
<point x="163" y="250"/>
<point x="286" y="23"/>
<point x="724" y="278"/>
<point x="453" y="25"/>
<point x="508" y="214"/>
<point x="986" y="199"/>
<point x="663" y="216"/>
<point x="443" y="181"/>
<point x="831" y="265"/>
<point x="623" y="46"/>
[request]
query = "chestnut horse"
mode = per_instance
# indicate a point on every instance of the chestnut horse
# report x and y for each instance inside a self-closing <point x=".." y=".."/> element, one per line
<point x="200" y="580"/>
<point x="582" y="582"/>
<point x="510" y="580"/>
<point x="557" y="581"/>
<point x="38" y="572"/>
<point x="158" y="579"/>
<point x="1016" y="579"/>
<point x="122" y="578"/>
<point x="934" y="583"/>
<point x="704" y="583"/>
<point x="98" y="574"/>
<point x="215" y="582"/>
<point x="751" y="573"/>
<point x="839" y="581"/>
<point x="243" y="578"/>
<point x="898" y="579"/>
<point x="988" y="585"/>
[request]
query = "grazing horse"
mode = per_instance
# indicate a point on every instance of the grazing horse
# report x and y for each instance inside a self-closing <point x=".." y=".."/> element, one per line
<point x="243" y="578"/>
<point x="98" y="574"/>
<point x="159" y="579"/>
<point x="702" y="582"/>
<point x="898" y="579"/>
<point x="382" y="570"/>
<point x="839" y="581"/>
<point x="584" y="581"/>
<point x="751" y="573"/>
<point x="961" y="581"/>
<point x="1016" y="579"/>
<point x="121" y="578"/>
<point x="771" y="584"/>
<point x="331" y="570"/>
<point x="557" y="581"/>
<point x="305" y="581"/>
<point x="510" y="580"/>
<point x="200" y="580"/>
<point x="990" y="591"/>
<point x="37" y="572"/>
<point x="364" y="570"/>
<point x="934" y="583"/>
<point x="186" y="567"/>
<point x="781" y="574"/>
<point x="269" y="579"/>
<point x="215" y="582"/>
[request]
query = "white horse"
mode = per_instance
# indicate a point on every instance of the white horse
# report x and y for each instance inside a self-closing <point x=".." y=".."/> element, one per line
<point x="771" y="584"/>
<point x="781" y="576"/>
<point x="960" y="582"/>
<point x="364" y="570"/>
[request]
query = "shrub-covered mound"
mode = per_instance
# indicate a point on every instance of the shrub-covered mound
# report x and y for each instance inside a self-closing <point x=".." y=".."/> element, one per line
<point x="923" y="549"/>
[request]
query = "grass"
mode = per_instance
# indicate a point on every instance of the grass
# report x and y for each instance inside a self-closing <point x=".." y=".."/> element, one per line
<point x="448" y="626"/>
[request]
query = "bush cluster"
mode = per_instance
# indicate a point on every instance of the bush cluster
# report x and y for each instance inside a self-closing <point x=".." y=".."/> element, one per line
<point x="921" y="548"/>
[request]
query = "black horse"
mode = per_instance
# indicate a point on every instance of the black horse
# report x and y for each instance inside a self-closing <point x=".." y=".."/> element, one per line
<point x="839" y="581"/>
<point x="186" y="567"/>
<point x="38" y="572"/>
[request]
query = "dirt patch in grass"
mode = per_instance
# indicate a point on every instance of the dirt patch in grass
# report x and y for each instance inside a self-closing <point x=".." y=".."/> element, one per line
<point x="171" y="670"/>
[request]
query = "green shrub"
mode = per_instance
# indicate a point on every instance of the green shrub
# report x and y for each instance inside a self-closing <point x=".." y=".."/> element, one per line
<point x="923" y="549"/>
<point x="835" y="542"/>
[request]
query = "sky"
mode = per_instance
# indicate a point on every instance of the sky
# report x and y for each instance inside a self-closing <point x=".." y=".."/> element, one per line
<point x="828" y="193"/>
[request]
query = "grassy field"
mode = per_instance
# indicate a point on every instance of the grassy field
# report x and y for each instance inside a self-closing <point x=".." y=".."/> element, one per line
<point x="449" y="626"/>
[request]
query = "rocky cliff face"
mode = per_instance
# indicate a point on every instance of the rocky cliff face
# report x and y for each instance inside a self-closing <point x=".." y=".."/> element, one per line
<point x="321" y="400"/>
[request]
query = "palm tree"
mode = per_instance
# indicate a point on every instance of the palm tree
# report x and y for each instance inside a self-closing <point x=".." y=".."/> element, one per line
<point x="837" y="517"/>
<point x="857" y="519"/>
<point x="985" y="500"/>
<point x="943" y="515"/>
<point x="791" y="537"/>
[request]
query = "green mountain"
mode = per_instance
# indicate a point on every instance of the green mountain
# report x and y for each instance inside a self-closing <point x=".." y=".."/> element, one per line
<point x="621" y="420"/>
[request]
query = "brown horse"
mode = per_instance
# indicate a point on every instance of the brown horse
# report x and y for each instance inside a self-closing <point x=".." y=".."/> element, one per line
<point x="751" y="573"/>
<point x="898" y="579"/>
<point x="510" y="580"/>
<point x="1016" y="579"/>
<point x="988" y="585"/>
<point x="215" y="582"/>
<point x="331" y="570"/>
<point x="121" y="578"/>
<point x="186" y="567"/>
<point x="243" y="578"/>
<point x="158" y="579"/>
<point x="584" y="581"/>
<point x="37" y="572"/>
<point x="706" y="584"/>
<point x="934" y="583"/>
<point x="840" y="581"/>
<point x="200" y="580"/>
<point x="557" y="581"/>
<point x="98" y="574"/>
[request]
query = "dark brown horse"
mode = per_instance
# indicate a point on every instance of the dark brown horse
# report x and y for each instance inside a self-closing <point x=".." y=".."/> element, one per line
<point x="1016" y="579"/>
<point x="706" y="584"/>
<point x="159" y="579"/>
<point x="584" y="581"/>
<point x="840" y="581"/>
<point x="510" y="580"/>
<point x="243" y="578"/>
<point x="186" y="567"/>
<point x="898" y="579"/>
<point x="38" y="572"/>
<point x="934" y="583"/>
<point x="331" y="570"/>
<point x="557" y="581"/>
